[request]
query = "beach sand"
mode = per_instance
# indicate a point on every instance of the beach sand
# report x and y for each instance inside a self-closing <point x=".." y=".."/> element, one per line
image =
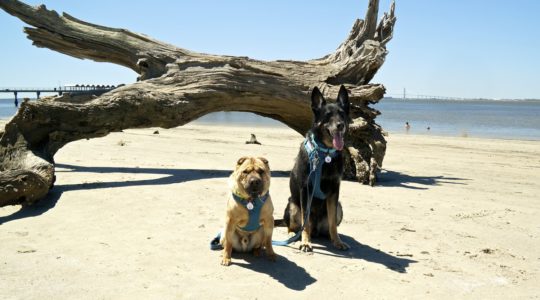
<point x="132" y="214"/>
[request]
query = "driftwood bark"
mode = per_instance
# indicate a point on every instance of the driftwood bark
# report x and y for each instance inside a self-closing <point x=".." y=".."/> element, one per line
<point x="176" y="86"/>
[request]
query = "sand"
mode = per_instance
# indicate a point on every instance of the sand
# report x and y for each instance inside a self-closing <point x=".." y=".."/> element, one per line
<point x="132" y="214"/>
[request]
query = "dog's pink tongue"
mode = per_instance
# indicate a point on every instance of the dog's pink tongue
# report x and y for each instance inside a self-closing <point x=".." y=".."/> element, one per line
<point x="337" y="141"/>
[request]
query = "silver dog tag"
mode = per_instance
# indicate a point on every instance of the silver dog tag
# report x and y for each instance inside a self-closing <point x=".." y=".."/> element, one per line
<point x="249" y="206"/>
<point x="328" y="159"/>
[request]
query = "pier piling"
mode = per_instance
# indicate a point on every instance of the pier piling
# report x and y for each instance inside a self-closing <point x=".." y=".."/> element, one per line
<point x="72" y="89"/>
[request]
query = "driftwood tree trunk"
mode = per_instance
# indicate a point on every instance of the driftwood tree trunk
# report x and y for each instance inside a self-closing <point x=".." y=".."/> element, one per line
<point x="176" y="86"/>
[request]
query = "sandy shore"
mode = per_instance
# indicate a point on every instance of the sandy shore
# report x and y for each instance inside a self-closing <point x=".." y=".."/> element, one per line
<point x="132" y="214"/>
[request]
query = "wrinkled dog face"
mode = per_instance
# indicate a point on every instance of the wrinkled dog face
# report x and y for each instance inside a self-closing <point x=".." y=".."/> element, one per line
<point x="251" y="176"/>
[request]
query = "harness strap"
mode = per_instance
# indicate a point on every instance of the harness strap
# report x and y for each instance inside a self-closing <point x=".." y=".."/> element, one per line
<point x="254" y="213"/>
<point x="317" y="154"/>
<point x="253" y="217"/>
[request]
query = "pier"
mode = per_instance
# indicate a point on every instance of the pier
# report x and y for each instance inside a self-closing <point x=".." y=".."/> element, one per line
<point x="407" y="95"/>
<point x="72" y="89"/>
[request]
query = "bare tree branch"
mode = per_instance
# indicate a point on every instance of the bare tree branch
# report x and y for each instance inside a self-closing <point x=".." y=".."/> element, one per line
<point x="177" y="86"/>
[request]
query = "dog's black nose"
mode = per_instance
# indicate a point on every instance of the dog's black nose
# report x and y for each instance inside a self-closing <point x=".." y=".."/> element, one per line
<point x="255" y="182"/>
<point x="340" y="126"/>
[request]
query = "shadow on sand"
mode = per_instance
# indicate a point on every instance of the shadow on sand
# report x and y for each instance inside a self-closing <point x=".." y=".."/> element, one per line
<point x="389" y="178"/>
<point x="364" y="252"/>
<point x="283" y="270"/>
<point x="295" y="277"/>
<point x="288" y="273"/>
<point x="171" y="176"/>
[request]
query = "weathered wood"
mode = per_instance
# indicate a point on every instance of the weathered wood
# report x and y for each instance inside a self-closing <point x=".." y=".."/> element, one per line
<point x="177" y="86"/>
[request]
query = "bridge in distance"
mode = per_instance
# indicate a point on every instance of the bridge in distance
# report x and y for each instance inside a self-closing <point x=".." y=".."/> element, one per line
<point x="72" y="89"/>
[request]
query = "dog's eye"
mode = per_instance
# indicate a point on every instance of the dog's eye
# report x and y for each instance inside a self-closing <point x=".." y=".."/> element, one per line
<point x="261" y="171"/>
<point x="245" y="172"/>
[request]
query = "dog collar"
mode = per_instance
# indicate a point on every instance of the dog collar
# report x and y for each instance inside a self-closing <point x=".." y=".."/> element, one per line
<point x="244" y="201"/>
<point x="312" y="146"/>
<point x="315" y="145"/>
<point x="254" y="210"/>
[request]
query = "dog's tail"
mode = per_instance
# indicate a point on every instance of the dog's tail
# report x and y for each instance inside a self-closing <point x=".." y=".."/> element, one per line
<point x="280" y="223"/>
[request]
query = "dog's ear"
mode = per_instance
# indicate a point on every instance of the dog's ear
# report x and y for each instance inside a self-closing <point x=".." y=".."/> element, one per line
<point x="241" y="160"/>
<point x="317" y="101"/>
<point x="264" y="160"/>
<point x="343" y="99"/>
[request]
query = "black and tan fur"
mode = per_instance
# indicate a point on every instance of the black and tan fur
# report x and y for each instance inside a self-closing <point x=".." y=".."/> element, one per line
<point x="250" y="179"/>
<point x="330" y="121"/>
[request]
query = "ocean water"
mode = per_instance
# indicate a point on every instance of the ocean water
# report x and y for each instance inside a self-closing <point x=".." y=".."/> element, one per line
<point x="507" y="119"/>
<point x="7" y="108"/>
<point x="504" y="119"/>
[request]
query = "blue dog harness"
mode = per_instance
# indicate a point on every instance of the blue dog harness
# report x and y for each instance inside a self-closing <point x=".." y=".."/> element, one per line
<point x="254" y="210"/>
<point x="315" y="152"/>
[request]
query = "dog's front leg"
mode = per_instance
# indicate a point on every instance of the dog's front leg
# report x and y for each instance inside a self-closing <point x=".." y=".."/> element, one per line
<point x="227" y="243"/>
<point x="306" y="233"/>
<point x="268" y="227"/>
<point x="331" y="208"/>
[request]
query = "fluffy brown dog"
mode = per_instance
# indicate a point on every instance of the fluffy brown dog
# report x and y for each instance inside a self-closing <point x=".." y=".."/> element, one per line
<point x="249" y="220"/>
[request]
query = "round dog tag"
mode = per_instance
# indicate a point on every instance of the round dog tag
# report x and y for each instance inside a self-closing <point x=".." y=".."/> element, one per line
<point x="249" y="206"/>
<point x="328" y="159"/>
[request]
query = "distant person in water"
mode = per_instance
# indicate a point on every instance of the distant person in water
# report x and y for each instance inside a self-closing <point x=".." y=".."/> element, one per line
<point x="407" y="127"/>
<point x="428" y="128"/>
<point x="16" y="103"/>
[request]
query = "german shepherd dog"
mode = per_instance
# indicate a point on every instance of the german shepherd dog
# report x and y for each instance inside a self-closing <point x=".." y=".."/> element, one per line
<point x="330" y="123"/>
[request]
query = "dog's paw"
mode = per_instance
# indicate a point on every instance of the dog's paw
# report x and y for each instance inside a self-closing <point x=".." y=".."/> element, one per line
<point x="226" y="262"/>
<point x="256" y="251"/>
<point x="306" y="247"/>
<point x="271" y="256"/>
<point x="341" y="245"/>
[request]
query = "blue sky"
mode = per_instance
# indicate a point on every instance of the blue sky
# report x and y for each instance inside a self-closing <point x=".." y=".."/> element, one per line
<point x="462" y="48"/>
